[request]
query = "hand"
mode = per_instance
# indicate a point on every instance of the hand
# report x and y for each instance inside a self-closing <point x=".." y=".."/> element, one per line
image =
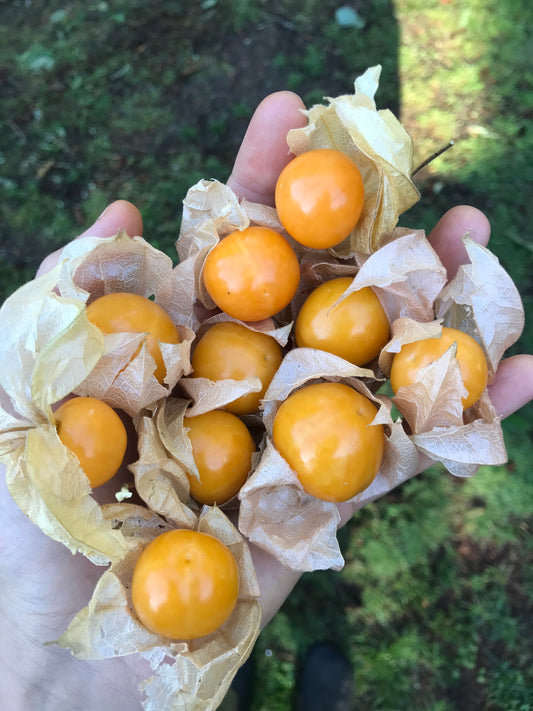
<point x="42" y="585"/>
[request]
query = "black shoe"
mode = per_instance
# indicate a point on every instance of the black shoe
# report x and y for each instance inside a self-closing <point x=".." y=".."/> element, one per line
<point x="326" y="681"/>
<point x="239" y="696"/>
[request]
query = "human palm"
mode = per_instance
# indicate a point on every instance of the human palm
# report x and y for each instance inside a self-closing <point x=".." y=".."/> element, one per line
<point x="42" y="585"/>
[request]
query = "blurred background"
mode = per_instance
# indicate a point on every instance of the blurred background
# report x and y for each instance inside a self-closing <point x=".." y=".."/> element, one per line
<point x="136" y="100"/>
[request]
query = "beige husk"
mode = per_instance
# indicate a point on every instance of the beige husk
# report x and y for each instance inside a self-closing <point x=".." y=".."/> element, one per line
<point x="187" y="675"/>
<point x="276" y="513"/>
<point x="406" y="275"/>
<point x="208" y="395"/>
<point x="211" y="210"/>
<point x="381" y="149"/>
<point x="482" y="301"/>
<point x="166" y="460"/>
<point x="59" y="353"/>
<point x="94" y="267"/>
<point x="47" y="483"/>
<point x="160" y="477"/>
<point x="56" y="348"/>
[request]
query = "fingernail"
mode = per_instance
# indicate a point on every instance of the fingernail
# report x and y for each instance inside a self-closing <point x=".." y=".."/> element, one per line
<point x="103" y="213"/>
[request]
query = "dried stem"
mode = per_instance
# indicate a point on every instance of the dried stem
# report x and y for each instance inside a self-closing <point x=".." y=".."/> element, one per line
<point x="432" y="157"/>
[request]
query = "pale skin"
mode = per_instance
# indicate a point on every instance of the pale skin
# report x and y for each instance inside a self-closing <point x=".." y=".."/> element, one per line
<point x="42" y="586"/>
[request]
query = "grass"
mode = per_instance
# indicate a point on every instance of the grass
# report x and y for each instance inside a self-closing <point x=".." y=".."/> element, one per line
<point x="140" y="100"/>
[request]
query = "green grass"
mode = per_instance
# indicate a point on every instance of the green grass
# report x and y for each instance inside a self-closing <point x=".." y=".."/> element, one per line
<point x="466" y="76"/>
<point x="139" y="100"/>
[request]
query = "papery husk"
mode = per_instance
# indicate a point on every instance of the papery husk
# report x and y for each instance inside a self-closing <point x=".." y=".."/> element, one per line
<point x="279" y="516"/>
<point x="381" y="149"/>
<point x="211" y="210"/>
<point x="193" y="675"/>
<point x="165" y="458"/>
<point x="58" y="499"/>
<point x="124" y="376"/>
<point x="435" y="399"/>
<point x="207" y="395"/>
<point x="47" y="483"/>
<point x="52" y="348"/>
<point x="483" y="300"/>
<point x="432" y="406"/>
<point x="93" y="267"/>
<point x="407" y="330"/>
<point x="59" y="353"/>
<point x="166" y="461"/>
<point x="462" y="449"/>
<point x="276" y="513"/>
<point x="406" y="274"/>
<point x="480" y="300"/>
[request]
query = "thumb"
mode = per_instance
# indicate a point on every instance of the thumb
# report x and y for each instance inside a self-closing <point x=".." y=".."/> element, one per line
<point x="264" y="151"/>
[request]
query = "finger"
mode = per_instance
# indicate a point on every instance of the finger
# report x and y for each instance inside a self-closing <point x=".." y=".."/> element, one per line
<point x="275" y="582"/>
<point x="512" y="387"/>
<point x="264" y="151"/>
<point x="446" y="237"/>
<point x="121" y="214"/>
